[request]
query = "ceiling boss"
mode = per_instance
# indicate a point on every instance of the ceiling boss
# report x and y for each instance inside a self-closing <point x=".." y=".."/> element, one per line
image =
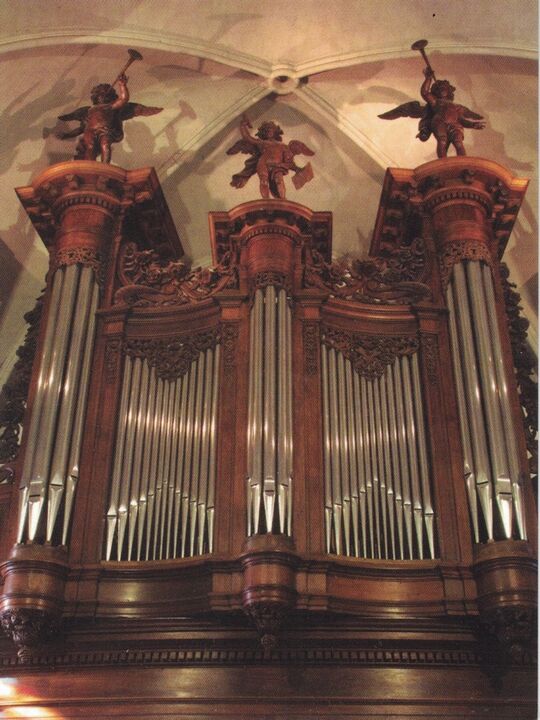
<point x="441" y="116"/>
<point x="101" y="124"/>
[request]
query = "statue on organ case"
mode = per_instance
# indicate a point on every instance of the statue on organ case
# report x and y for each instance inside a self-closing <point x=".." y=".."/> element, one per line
<point x="441" y="115"/>
<point x="101" y="123"/>
<point x="270" y="158"/>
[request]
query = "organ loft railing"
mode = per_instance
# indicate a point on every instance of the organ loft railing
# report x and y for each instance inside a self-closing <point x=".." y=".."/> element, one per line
<point x="277" y="433"/>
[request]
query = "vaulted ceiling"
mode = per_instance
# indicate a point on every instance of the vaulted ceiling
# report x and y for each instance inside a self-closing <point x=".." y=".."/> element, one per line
<point x="323" y="70"/>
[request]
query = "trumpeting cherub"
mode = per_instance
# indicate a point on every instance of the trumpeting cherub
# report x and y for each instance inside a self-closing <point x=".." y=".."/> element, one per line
<point x="440" y="116"/>
<point x="270" y="158"/>
<point x="101" y="123"/>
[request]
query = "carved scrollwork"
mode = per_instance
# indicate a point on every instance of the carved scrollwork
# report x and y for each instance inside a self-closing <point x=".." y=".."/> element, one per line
<point x="89" y="257"/>
<point x="268" y="618"/>
<point x="369" y="354"/>
<point x="229" y="338"/>
<point x="270" y="277"/>
<point x="15" y="391"/>
<point x="150" y="278"/>
<point x="310" y="334"/>
<point x="392" y="277"/>
<point x="430" y="355"/>
<point x="457" y="251"/>
<point x="172" y="357"/>
<point x="28" y="629"/>
<point x="525" y="368"/>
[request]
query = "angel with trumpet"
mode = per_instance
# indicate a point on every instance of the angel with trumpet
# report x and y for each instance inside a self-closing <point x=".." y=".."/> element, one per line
<point x="440" y="116"/>
<point x="101" y="123"/>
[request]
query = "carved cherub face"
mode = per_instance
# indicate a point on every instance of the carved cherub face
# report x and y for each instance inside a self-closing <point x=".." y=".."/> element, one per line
<point x="269" y="131"/>
<point x="103" y="93"/>
<point x="442" y="89"/>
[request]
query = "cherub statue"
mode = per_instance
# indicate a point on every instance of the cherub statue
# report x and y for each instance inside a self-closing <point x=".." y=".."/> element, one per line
<point x="270" y="158"/>
<point x="100" y="124"/>
<point x="441" y="115"/>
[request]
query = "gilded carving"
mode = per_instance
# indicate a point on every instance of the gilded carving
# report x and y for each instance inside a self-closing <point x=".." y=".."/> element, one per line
<point x="369" y="354"/>
<point x="392" y="277"/>
<point x="310" y="334"/>
<point x="172" y="357"/>
<point x="149" y="277"/>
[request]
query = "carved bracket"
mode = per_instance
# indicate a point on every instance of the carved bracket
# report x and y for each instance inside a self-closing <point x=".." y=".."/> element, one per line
<point x="394" y="277"/>
<point x="369" y="354"/>
<point x="149" y="279"/>
<point x="29" y="629"/>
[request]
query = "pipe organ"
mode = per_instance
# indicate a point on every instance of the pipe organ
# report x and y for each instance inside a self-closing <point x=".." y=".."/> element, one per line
<point x="328" y="454"/>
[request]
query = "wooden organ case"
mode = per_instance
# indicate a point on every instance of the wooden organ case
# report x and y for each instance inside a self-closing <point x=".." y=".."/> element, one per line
<point x="282" y="486"/>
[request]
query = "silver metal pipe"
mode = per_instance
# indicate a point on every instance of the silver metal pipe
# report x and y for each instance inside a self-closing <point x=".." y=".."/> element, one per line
<point x="403" y="461"/>
<point x="289" y="417"/>
<point x="337" y="503"/>
<point x="256" y="481"/>
<point x="186" y="470"/>
<point x="344" y="452"/>
<point x="327" y="448"/>
<point x="127" y="461"/>
<point x="251" y="419"/>
<point x="170" y="551"/>
<point x="473" y="397"/>
<point x="212" y="452"/>
<point x="181" y="453"/>
<point x="360" y="463"/>
<point x="134" y="491"/>
<point x="166" y="487"/>
<point x="112" y="513"/>
<point x="353" y="456"/>
<point x="368" y="468"/>
<point x="375" y="468"/>
<point x="38" y="486"/>
<point x="35" y="425"/>
<point x="396" y="459"/>
<point x="385" y="429"/>
<point x="465" y="431"/>
<point x="283" y="342"/>
<point x="418" y="510"/>
<point x="269" y="380"/>
<point x="154" y="466"/>
<point x="429" y="513"/>
<point x="381" y="465"/>
<point x="205" y="444"/>
<point x="196" y="460"/>
<point x="68" y="397"/>
<point x="80" y="412"/>
<point x="496" y="442"/>
<point x="147" y="456"/>
<point x="505" y="404"/>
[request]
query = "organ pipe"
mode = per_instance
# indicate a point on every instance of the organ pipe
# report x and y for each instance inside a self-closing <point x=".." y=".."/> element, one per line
<point x="377" y="485"/>
<point x="490" y="458"/>
<point x="51" y="466"/>
<point x="163" y="479"/>
<point x="269" y="430"/>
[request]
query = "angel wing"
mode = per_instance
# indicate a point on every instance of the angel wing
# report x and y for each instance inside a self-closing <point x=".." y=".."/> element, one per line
<point x="469" y="114"/>
<point x="412" y="109"/>
<point x="131" y="110"/>
<point x="243" y="146"/>
<point x="79" y="114"/>
<point x="298" y="148"/>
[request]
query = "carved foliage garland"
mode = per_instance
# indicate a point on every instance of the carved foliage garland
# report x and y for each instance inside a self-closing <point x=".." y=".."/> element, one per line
<point x="310" y="333"/>
<point x="392" y="277"/>
<point x="149" y="278"/>
<point x="229" y="337"/>
<point x="455" y="252"/>
<point x="89" y="257"/>
<point x="430" y="354"/>
<point x="15" y="391"/>
<point x="369" y="354"/>
<point x="525" y="368"/>
<point x="172" y="357"/>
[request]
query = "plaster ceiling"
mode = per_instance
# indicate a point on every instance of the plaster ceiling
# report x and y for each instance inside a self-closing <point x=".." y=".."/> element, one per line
<point x="207" y="63"/>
